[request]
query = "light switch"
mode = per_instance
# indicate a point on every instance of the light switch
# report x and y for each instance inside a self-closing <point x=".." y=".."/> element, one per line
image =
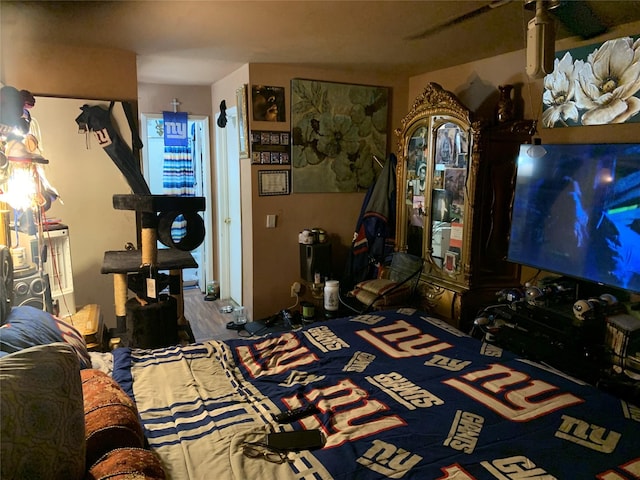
<point x="271" y="221"/>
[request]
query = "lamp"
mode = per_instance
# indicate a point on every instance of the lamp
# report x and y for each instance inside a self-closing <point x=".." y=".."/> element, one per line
<point x="21" y="176"/>
<point x="23" y="185"/>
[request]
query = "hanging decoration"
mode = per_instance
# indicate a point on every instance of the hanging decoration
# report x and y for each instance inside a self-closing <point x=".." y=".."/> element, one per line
<point x="178" y="176"/>
<point x="175" y="129"/>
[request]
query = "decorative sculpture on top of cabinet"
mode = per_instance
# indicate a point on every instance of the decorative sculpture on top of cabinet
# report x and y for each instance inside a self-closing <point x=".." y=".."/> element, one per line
<point x="455" y="181"/>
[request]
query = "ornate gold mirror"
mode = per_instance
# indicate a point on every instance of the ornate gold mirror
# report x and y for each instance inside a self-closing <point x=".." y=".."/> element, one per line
<point x="455" y="182"/>
<point x="433" y="168"/>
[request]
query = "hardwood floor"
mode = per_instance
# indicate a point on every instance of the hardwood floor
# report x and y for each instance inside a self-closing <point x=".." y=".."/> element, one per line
<point x="206" y="319"/>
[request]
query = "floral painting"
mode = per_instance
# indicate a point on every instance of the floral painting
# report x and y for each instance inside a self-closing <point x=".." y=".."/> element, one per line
<point x="594" y="85"/>
<point x="337" y="132"/>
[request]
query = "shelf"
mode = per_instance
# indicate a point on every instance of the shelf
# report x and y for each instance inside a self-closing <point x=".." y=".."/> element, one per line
<point x="126" y="261"/>
<point x="158" y="203"/>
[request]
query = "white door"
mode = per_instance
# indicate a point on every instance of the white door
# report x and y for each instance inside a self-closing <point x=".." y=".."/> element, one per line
<point x="153" y="157"/>
<point x="229" y="212"/>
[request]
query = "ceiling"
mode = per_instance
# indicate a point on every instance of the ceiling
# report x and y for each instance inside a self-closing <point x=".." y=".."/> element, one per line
<point x="199" y="42"/>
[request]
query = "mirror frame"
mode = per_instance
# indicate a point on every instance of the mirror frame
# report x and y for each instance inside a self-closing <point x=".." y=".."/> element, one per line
<point x="433" y="108"/>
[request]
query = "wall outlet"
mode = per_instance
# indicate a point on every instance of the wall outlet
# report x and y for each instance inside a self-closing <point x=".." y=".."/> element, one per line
<point x="295" y="289"/>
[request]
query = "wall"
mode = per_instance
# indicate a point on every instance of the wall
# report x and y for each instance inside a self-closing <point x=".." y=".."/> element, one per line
<point x="87" y="179"/>
<point x="476" y="84"/>
<point x="156" y="98"/>
<point x="276" y="262"/>
<point x="68" y="71"/>
<point x="86" y="73"/>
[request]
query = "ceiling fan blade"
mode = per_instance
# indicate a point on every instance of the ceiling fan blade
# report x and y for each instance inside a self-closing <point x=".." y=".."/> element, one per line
<point x="579" y="19"/>
<point x="455" y="21"/>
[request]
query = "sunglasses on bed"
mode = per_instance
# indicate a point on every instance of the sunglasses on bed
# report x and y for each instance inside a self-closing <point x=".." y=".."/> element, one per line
<point x="262" y="450"/>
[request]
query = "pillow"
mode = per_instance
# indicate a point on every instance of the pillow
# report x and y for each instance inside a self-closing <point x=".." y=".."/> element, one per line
<point x="110" y="416"/>
<point x="28" y="326"/>
<point x="369" y="290"/>
<point x="42" y="414"/>
<point x="127" y="463"/>
<point x="379" y="286"/>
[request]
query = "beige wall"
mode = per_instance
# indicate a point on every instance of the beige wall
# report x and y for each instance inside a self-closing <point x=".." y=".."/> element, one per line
<point x="156" y="98"/>
<point x="276" y="261"/>
<point x="87" y="190"/>
<point x="87" y="179"/>
<point x="66" y="71"/>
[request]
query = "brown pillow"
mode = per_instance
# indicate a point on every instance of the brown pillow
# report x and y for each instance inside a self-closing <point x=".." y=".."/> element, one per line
<point x="125" y="464"/>
<point x="110" y="416"/>
<point x="368" y="290"/>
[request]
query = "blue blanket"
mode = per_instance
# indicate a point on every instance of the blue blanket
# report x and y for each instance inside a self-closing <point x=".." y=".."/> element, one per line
<point x="399" y="395"/>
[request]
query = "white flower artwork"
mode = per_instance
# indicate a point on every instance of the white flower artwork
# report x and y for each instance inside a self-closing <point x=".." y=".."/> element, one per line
<point x="594" y="85"/>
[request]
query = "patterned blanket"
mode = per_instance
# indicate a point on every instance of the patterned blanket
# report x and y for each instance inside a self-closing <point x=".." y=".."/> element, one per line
<point x="399" y="395"/>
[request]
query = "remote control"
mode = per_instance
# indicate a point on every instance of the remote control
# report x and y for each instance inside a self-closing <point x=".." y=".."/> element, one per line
<point x="296" y="414"/>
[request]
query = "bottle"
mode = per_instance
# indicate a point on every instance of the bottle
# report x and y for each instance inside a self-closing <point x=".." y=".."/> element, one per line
<point x="331" y="298"/>
<point x="213" y="291"/>
<point x="308" y="312"/>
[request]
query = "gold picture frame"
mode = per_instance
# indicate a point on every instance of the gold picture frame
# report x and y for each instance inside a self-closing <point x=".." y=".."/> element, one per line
<point x="243" y="126"/>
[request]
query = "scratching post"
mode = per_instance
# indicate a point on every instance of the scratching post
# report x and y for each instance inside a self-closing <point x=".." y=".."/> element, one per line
<point x="152" y="324"/>
<point x="120" y="296"/>
<point x="149" y="246"/>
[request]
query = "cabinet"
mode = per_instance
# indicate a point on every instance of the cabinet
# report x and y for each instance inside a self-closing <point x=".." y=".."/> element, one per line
<point x="455" y="184"/>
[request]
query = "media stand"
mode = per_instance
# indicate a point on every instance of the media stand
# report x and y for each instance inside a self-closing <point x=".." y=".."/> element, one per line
<point x="552" y="336"/>
<point x="591" y="349"/>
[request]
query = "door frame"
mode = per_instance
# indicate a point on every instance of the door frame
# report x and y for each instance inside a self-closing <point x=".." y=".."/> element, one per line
<point x="205" y="270"/>
<point x="224" y="230"/>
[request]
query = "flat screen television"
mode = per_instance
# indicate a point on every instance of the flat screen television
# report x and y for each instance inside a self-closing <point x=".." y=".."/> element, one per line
<point x="576" y="212"/>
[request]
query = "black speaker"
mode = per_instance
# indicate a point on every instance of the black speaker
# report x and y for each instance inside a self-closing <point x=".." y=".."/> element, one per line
<point x="34" y="291"/>
<point x="315" y="258"/>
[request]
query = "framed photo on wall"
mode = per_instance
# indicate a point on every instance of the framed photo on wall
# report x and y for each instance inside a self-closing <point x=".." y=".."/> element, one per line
<point x="243" y="127"/>
<point x="267" y="103"/>
<point x="270" y="147"/>
<point x="273" y="182"/>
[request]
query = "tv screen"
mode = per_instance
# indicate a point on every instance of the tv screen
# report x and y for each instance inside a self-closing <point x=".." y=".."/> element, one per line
<point x="576" y="212"/>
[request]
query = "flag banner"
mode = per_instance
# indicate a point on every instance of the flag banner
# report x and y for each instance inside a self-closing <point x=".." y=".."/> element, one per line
<point x="175" y="129"/>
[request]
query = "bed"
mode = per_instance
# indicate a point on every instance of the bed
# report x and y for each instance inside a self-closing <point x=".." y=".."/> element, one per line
<point x="398" y="394"/>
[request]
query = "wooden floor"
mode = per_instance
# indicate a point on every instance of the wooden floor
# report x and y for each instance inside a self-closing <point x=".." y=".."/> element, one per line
<point x="206" y="319"/>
